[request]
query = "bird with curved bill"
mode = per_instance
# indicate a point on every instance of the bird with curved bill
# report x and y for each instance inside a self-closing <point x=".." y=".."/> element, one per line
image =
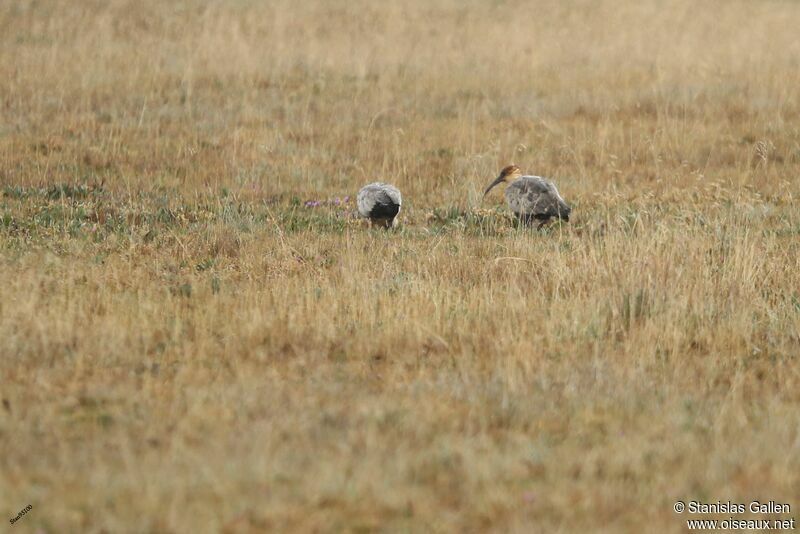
<point x="531" y="198"/>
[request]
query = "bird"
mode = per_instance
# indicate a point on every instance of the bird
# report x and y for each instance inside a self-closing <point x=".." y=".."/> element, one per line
<point x="531" y="198"/>
<point x="379" y="203"/>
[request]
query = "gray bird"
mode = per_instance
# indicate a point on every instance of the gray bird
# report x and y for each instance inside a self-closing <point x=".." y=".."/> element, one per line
<point x="531" y="198"/>
<point x="379" y="203"/>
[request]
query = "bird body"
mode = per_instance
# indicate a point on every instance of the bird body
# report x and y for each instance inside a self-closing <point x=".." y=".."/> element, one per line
<point x="531" y="198"/>
<point x="379" y="203"/>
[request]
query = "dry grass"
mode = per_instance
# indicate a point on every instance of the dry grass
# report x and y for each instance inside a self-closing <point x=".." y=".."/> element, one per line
<point x="186" y="347"/>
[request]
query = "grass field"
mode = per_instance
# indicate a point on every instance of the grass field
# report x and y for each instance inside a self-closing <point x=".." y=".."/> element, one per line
<point x="196" y="334"/>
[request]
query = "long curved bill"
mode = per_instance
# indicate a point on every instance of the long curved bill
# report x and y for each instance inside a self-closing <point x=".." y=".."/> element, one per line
<point x="497" y="181"/>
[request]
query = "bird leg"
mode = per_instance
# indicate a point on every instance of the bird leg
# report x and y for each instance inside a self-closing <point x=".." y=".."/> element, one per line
<point x="382" y="223"/>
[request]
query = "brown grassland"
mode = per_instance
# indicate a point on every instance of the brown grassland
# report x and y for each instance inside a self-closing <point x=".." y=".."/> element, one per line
<point x="186" y="346"/>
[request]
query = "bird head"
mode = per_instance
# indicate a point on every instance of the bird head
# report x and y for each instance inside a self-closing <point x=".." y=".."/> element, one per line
<point x="507" y="175"/>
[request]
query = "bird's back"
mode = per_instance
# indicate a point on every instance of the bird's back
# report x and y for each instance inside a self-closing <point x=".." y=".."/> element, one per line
<point x="379" y="201"/>
<point x="533" y="196"/>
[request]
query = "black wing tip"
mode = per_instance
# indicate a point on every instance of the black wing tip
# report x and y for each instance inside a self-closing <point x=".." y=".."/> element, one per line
<point x="384" y="211"/>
